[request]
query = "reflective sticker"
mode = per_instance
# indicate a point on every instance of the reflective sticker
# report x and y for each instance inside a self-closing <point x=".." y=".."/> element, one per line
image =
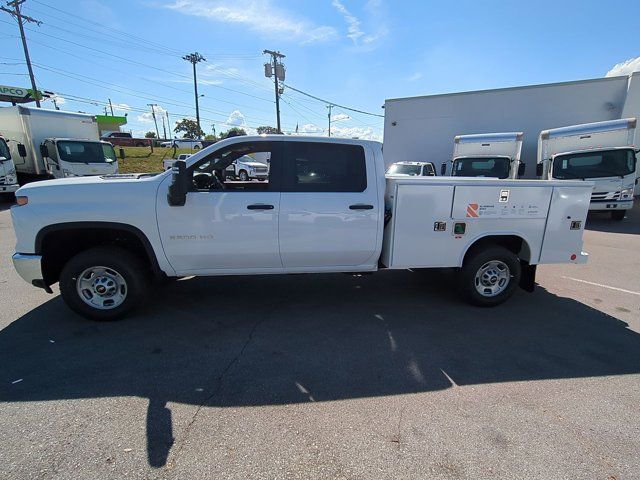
<point x="472" y="210"/>
<point x="504" y="196"/>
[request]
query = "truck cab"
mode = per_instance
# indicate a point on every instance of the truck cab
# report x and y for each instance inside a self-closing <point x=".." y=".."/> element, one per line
<point x="70" y="157"/>
<point x="412" y="169"/>
<point x="8" y="177"/>
<point x="601" y="152"/>
<point x="495" y="155"/>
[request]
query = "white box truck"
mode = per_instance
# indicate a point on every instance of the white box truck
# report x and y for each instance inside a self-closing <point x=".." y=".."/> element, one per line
<point x="8" y="175"/>
<point x="494" y="155"/>
<point x="326" y="207"/>
<point x="601" y="152"/>
<point x="55" y="144"/>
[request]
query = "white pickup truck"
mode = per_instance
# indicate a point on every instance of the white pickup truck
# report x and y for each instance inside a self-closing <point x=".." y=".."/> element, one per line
<point x="326" y="207"/>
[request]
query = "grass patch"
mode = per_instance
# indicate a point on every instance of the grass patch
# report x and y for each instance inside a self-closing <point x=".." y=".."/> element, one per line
<point x="142" y="160"/>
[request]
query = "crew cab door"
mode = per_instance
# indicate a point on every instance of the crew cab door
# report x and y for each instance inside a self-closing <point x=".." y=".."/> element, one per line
<point x="224" y="226"/>
<point x="329" y="206"/>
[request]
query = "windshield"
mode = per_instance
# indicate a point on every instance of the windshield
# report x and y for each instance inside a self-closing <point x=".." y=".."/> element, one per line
<point x="498" y="167"/>
<point x="86" y="152"/>
<point x="608" y="163"/>
<point x="4" y="150"/>
<point x="399" y="169"/>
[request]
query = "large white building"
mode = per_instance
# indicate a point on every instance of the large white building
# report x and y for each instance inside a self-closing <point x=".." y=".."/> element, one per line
<point x="423" y="128"/>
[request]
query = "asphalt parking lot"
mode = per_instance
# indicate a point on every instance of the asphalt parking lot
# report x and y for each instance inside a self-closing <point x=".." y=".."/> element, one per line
<point x="331" y="376"/>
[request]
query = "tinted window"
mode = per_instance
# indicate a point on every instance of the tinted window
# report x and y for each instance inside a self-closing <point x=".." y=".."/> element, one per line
<point x="611" y="163"/>
<point x="498" y="167"/>
<point x="324" y="167"/>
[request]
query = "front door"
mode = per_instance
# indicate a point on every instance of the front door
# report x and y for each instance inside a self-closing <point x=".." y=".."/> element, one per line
<point x="225" y="226"/>
<point x="329" y="208"/>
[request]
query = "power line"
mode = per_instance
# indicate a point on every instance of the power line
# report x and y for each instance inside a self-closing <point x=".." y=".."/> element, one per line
<point x="20" y="18"/>
<point x="332" y="103"/>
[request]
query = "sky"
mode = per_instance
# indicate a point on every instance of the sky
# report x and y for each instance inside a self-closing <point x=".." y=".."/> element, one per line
<point x="351" y="53"/>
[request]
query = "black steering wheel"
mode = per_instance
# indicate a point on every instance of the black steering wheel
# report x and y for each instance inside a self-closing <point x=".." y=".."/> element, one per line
<point x="207" y="181"/>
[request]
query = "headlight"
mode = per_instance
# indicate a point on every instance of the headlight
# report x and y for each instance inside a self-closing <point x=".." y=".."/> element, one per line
<point x="68" y="173"/>
<point x="626" y="193"/>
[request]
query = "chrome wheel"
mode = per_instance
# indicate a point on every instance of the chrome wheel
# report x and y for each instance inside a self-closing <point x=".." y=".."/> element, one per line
<point x="101" y="287"/>
<point x="244" y="176"/>
<point x="492" y="278"/>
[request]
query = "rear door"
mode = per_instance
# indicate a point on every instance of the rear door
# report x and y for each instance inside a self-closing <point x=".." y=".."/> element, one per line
<point x="329" y="207"/>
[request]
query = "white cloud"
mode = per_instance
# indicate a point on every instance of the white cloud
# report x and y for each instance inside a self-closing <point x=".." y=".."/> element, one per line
<point x="147" y="117"/>
<point x="236" y="119"/>
<point x="258" y="15"/>
<point x="59" y="99"/>
<point x="363" y="133"/>
<point x="340" y="117"/>
<point x="121" y="107"/>
<point x="414" y="77"/>
<point x="310" y="128"/>
<point x="354" y="25"/>
<point x="625" y="68"/>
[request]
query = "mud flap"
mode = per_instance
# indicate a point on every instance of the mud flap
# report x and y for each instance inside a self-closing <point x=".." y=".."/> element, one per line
<point x="528" y="277"/>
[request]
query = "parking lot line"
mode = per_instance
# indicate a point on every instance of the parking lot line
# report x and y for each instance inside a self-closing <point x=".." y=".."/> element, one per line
<point x="603" y="286"/>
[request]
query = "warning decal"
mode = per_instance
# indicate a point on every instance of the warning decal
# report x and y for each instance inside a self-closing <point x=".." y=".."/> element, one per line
<point x="472" y="210"/>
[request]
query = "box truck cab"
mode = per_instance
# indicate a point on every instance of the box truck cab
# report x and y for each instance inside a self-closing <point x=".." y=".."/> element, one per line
<point x="71" y="157"/>
<point x="8" y="176"/>
<point x="69" y="141"/>
<point x="495" y="155"/>
<point x="601" y="152"/>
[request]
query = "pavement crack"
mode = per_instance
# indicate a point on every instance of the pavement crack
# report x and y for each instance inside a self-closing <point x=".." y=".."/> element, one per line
<point x="396" y="437"/>
<point x="219" y="384"/>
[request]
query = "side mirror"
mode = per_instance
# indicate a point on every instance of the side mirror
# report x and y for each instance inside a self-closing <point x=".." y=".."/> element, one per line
<point x="443" y="168"/>
<point x="539" y="170"/>
<point x="44" y="151"/>
<point x="521" y="169"/>
<point x="177" y="195"/>
<point x="22" y="150"/>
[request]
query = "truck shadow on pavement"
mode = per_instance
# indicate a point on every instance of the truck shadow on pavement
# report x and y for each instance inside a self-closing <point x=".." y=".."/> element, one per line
<point x="602" y="221"/>
<point x="248" y="341"/>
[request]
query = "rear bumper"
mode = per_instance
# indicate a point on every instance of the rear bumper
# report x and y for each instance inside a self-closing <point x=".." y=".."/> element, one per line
<point x="9" y="188"/>
<point x="29" y="267"/>
<point x="612" y="205"/>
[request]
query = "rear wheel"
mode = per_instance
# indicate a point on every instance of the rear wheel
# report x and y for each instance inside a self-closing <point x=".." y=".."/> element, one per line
<point x="103" y="283"/>
<point x="618" y="215"/>
<point x="490" y="276"/>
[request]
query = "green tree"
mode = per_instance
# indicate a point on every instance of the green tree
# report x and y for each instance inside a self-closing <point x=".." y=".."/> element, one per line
<point x="267" y="130"/>
<point x="189" y="128"/>
<point x="150" y="134"/>
<point x="233" y="132"/>
<point x="210" y="137"/>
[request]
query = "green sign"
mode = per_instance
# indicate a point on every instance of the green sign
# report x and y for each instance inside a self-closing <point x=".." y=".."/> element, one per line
<point x="17" y="94"/>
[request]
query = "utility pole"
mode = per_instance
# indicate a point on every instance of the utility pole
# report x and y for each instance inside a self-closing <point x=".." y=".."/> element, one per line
<point x="20" y="18"/>
<point x="329" y="115"/>
<point x="213" y="127"/>
<point x="168" y="123"/>
<point x="195" y="58"/>
<point x="275" y="68"/>
<point x="153" y="113"/>
<point x="111" y="107"/>
<point x="164" y="130"/>
<point x="55" y="105"/>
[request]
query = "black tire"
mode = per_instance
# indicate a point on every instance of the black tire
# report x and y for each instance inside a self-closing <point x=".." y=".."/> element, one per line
<point x="478" y="259"/>
<point x="117" y="259"/>
<point x="618" y="215"/>
<point x="243" y="176"/>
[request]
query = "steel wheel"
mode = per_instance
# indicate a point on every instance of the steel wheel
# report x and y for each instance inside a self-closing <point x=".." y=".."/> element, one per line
<point x="101" y="287"/>
<point x="492" y="278"/>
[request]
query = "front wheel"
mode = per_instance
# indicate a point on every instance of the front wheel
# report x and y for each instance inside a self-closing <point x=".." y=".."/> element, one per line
<point x="103" y="283"/>
<point x="490" y="276"/>
<point x="618" y="215"/>
<point x="244" y="176"/>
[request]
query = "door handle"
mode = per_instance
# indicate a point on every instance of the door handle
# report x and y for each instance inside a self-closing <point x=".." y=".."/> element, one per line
<point x="259" y="206"/>
<point x="360" y="206"/>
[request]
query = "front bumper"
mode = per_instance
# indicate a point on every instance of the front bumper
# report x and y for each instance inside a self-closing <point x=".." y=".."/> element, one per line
<point x="9" y="188"/>
<point x="612" y="205"/>
<point x="29" y="267"/>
